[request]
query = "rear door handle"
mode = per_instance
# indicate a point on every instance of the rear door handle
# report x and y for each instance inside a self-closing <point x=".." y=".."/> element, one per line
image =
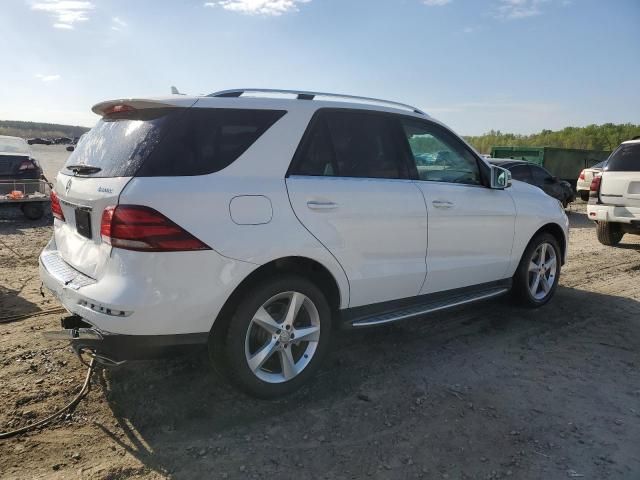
<point x="442" y="204"/>
<point x="318" y="205"/>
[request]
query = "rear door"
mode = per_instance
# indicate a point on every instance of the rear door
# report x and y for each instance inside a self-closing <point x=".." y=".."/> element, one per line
<point x="621" y="178"/>
<point x="349" y="186"/>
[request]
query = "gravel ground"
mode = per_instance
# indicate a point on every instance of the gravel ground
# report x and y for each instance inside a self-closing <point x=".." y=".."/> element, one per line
<point x="487" y="391"/>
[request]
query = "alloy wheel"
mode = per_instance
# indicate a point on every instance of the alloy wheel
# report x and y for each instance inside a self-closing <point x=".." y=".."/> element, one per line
<point x="282" y="337"/>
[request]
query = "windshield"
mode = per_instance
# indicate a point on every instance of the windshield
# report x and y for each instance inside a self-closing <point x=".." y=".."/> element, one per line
<point x="118" y="145"/>
<point x="14" y="145"/>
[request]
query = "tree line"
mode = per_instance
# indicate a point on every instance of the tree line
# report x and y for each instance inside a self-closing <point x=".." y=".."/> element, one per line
<point x="15" y="128"/>
<point x="592" y="137"/>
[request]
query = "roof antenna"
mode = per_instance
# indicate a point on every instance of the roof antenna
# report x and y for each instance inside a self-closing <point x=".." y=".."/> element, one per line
<point x="175" y="91"/>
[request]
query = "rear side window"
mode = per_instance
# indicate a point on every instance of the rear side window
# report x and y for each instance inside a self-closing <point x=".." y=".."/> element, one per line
<point x="350" y="144"/>
<point x="522" y="173"/>
<point x="205" y="140"/>
<point x="625" y="159"/>
<point x="540" y="175"/>
<point x="170" y="141"/>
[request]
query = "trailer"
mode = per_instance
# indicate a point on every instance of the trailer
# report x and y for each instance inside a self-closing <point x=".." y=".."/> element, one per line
<point x="564" y="163"/>
<point x="31" y="196"/>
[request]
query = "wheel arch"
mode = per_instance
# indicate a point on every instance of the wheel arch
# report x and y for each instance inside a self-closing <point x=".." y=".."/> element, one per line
<point x="558" y="233"/>
<point x="303" y="266"/>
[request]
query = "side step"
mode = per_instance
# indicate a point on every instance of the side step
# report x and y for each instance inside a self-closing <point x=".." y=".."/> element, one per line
<point x="428" y="304"/>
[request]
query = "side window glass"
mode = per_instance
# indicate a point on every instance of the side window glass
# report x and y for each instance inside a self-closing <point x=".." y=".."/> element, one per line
<point x="522" y="173"/>
<point x="439" y="156"/>
<point x="350" y="144"/>
<point x="539" y="175"/>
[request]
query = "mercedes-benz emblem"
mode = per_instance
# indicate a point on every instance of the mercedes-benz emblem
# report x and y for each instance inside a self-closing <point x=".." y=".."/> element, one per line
<point x="67" y="186"/>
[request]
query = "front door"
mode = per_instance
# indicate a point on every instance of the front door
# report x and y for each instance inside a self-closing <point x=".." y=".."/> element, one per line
<point x="349" y="186"/>
<point x="471" y="226"/>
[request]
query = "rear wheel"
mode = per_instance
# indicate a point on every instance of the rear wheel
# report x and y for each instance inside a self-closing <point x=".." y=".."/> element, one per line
<point x="538" y="273"/>
<point x="584" y="195"/>
<point x="33" y="210"/>
<point x="609" y="233"/>
<point x="277" y="337"/>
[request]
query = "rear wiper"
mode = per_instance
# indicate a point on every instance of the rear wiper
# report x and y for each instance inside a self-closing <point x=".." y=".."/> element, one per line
<point x="83" y="169"/>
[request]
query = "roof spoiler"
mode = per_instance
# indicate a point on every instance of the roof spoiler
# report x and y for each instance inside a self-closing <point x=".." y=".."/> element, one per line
<point x="140" y="103"/>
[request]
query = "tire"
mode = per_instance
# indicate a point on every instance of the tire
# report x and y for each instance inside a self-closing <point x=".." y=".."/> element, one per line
<point x="609" y="233"/>
<point x="584" y="195"/>
<point x="524" y="280"/>
<point x="33" y="210"/>
<point x="565" y="203"/>
<point x="289" y="362"/>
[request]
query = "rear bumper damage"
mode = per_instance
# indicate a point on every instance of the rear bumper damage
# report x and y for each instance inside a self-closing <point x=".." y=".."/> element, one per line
<point x="110" y="349"/>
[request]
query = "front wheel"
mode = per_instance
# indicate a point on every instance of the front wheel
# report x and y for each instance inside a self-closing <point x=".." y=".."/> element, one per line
<point x="538" y="273"/>
<point x="277" y="338"/>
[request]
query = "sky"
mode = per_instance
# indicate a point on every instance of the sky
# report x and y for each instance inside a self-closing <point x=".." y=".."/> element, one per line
<point x="511" y="65"/>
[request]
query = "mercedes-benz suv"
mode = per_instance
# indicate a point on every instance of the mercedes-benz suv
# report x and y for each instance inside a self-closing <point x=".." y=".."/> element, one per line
<point x="258" y="223"/>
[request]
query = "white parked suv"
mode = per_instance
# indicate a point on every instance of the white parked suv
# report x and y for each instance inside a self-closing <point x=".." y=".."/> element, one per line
<point x="257" y="222"/>
<point x="614" y="202"/>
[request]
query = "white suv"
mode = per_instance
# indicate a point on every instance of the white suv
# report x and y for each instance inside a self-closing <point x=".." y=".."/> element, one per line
<point x="257" y="225"/>
<point x="614" y="202"/>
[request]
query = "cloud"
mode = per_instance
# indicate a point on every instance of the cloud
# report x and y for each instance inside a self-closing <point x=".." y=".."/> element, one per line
<point x="518" y="9"/>
<point x="118" y="24"/>
<point x="258" y="7"/>
<point x="47" y="78"/>
<point x="436" y="3"/>
<point x="65" y="12"/>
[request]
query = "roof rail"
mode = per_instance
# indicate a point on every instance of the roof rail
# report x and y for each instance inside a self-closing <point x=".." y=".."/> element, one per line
<point x="305" y="95"/>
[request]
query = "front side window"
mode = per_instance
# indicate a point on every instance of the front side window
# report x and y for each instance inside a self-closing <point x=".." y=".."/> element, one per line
<point x="349" y="144"/>
<point x="439" y="156"/>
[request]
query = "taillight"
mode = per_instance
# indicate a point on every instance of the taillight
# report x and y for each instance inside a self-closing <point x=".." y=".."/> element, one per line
<point x="134" y="227"/>
<point x="56" y="209"/>
<point x="581" y="177"/>
<point x="594" y="188"/>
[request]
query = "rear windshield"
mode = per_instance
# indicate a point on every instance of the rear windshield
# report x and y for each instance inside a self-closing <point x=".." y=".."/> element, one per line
<point x="10" y="164"/>
<point x="170" y="141"/>
<point x="13" y="145"/>
<point x="625" y="159"/>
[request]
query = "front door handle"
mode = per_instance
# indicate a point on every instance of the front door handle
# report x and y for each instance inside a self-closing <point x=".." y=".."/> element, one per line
<point x="318" y="205"/>
<point x="442" y="204"/>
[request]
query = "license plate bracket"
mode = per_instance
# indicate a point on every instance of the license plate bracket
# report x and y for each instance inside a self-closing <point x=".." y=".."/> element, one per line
<point x="83" y="222"/>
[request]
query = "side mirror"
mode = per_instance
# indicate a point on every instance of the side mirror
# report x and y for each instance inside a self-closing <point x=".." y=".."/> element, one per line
<point x="500" y="178"/>
<point x="70" y="148"/>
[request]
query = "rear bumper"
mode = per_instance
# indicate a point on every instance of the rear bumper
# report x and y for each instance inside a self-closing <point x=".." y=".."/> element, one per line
<point x="114" y="349"/>
<point x="146" y="294"/>
<point x="611" y="213"/>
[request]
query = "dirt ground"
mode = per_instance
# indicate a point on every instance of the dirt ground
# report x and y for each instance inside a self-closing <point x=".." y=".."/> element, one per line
<point x="487" y="391"/>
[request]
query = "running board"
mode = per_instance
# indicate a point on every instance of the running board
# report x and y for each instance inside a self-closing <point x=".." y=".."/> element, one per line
<point x="430" y="305"/>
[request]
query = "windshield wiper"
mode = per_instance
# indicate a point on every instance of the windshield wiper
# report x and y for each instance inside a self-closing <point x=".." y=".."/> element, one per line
<point x="83" y="169"/>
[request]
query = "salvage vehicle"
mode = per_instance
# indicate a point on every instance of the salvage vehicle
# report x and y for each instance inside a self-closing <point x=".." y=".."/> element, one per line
<point x="21" y="180"/>
<point x="259" y="222"/>
<point x="583" y="184"/>
<point x="535" y="175"/>
<point x="614" y="202"/>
